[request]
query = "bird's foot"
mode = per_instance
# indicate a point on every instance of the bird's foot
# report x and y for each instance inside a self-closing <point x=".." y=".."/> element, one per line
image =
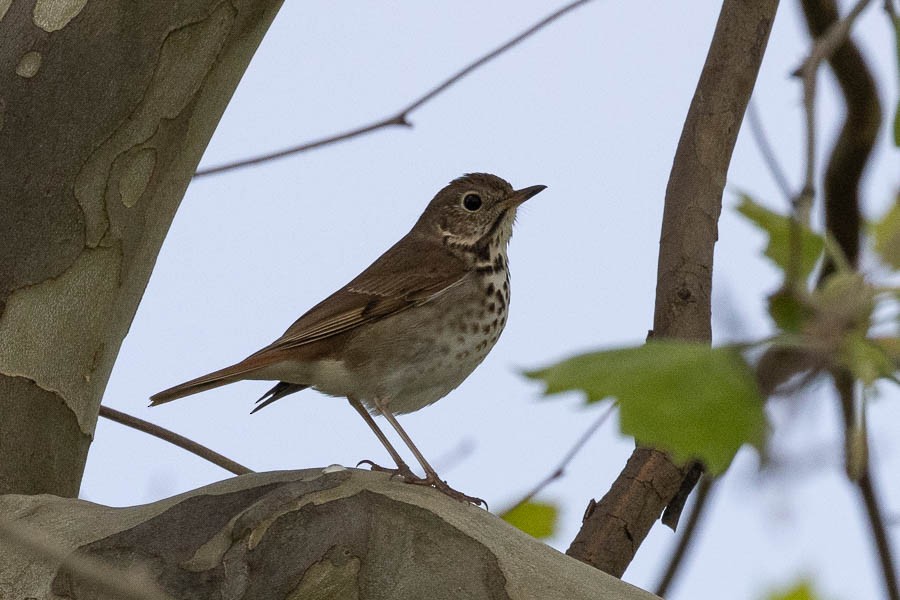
<point x="442" y="486"/>
<point x="402" y="470"/>
<point x="430" y="480"/>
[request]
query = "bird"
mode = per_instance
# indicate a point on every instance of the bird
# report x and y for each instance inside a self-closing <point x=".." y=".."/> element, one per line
<point x="407" y="330"/>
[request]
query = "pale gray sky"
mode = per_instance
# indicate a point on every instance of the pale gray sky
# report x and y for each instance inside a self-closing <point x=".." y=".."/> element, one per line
<point x="591" y="107"/>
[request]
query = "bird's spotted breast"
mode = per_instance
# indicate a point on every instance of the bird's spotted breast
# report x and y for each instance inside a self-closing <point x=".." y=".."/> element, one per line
<point x="420" y="356"/>
<point x="487" y="322"/>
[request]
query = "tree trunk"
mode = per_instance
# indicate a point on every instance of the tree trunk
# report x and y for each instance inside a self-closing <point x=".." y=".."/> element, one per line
<point x="105" y="110"/>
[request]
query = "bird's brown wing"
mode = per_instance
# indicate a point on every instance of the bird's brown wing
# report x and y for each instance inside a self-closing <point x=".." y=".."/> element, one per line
<point x="412" y="272"/>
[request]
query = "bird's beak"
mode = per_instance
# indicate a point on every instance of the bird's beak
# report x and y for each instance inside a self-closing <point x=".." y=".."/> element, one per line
<point x="520" y="196"/>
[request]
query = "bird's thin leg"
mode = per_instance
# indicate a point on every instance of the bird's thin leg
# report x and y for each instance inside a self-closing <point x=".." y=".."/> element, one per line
<point x="431" y="476"/>
<point x="402" y="468"/>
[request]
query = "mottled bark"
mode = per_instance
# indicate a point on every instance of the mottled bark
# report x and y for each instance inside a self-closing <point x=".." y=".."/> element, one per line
<point x="300" y="534"/>
<point x="105" y="110"/>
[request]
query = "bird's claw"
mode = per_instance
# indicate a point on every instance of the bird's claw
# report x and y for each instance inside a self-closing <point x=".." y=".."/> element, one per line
<point x="401" y="471"/>
<point x="429" y="480"/>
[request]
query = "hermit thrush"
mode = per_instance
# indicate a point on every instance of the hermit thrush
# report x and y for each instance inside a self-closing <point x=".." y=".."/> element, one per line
<point x="408" y="329"/>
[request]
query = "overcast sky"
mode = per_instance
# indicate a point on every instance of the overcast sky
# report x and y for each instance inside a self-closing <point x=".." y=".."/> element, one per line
<point x="591" y="107"/>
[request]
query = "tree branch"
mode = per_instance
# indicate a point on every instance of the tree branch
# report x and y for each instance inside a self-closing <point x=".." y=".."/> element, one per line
<point x="846" y="164"/>
<point x="844" y="383"/>
<point x="859" y="131"/>
<point x="174" y="438"/>
<point x="827" y="42"/>
<point x="614" y="528"/>
<point x="765" y="149"/>
<point x="130" y="584"/>
<point x="402" y="116"/>
<point x="687" y="537"/>
<point x="332" y="533"/>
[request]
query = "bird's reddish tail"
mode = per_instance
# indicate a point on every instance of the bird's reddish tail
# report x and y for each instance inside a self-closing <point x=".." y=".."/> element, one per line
<point x="209" y="381"/>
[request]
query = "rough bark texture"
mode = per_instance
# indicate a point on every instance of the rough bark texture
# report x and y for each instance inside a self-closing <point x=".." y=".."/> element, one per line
<point x="614" y="528"/>
<point x="105" y="109"/>
<point x="300" y="534"/>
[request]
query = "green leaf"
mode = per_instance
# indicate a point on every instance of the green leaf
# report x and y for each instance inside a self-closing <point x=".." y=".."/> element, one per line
<point x="791" y="245"/>
<point x="537" y="519"/>
<point x="891" y="348"/>
<point x="684" y="397"/>
<point x="788" y="311"/>
<point x="802" y="590"/>
<point x="887" y="236"/>
<point x="866" y="360"/>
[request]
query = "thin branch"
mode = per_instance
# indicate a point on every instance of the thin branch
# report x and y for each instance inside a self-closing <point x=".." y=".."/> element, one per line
<point x="842" y="219"/>
<point x="174" y="438"/>
<point x="808" y="71"/>
<point x="687" y="537"/>
<point x="876" y="522"/>
<point x="560" y="469"/>
<point x="402" y="116"/>
<point x="844" y="383"/>
<point x="127" y="584"/>
<point x="758" y="132"/>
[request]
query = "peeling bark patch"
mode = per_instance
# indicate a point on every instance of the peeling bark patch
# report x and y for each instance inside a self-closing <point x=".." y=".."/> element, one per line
<point x="32" y="417"/>
<point x="174" y="84"/>
<point x="73" y="306"/>
<point x="4" y="6"/>
<point x="166" y="541"/>
<point x="335" y="576"/>
<point x="29" y="65"/>
<point x="53" y="15"/>
<point x="369" y="528"/>
<point x="136" y="176"/>
<point x="349" y="547"/>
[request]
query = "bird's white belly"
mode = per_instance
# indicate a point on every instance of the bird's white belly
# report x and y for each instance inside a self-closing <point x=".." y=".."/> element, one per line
<point x="415" y="357"/>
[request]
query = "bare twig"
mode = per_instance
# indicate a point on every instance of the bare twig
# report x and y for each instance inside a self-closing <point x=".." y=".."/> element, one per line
<point x="174" y="438"/>
<point x="687" y="536"/>
<point x="127" y="584"/>
<point x="758" y="133"/>
<point x="808" y="71"/>
<point x="560" y="469"/>
<point x="845" y="384"/>
<point x="876" y="522"/>
<point x="402" y="116"/>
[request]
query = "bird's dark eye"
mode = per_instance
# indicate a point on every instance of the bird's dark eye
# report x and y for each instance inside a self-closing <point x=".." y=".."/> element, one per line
<point x="472" y="202"/>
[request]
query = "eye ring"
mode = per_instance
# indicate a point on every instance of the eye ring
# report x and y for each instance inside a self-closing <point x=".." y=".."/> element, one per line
<point x="471" y="201"/>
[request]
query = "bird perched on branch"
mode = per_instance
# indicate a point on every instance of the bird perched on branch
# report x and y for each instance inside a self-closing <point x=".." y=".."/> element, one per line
<point x="408" y="329"/>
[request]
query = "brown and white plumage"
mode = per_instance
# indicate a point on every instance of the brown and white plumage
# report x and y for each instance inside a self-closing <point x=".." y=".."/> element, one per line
<point x="409" y="328"/>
